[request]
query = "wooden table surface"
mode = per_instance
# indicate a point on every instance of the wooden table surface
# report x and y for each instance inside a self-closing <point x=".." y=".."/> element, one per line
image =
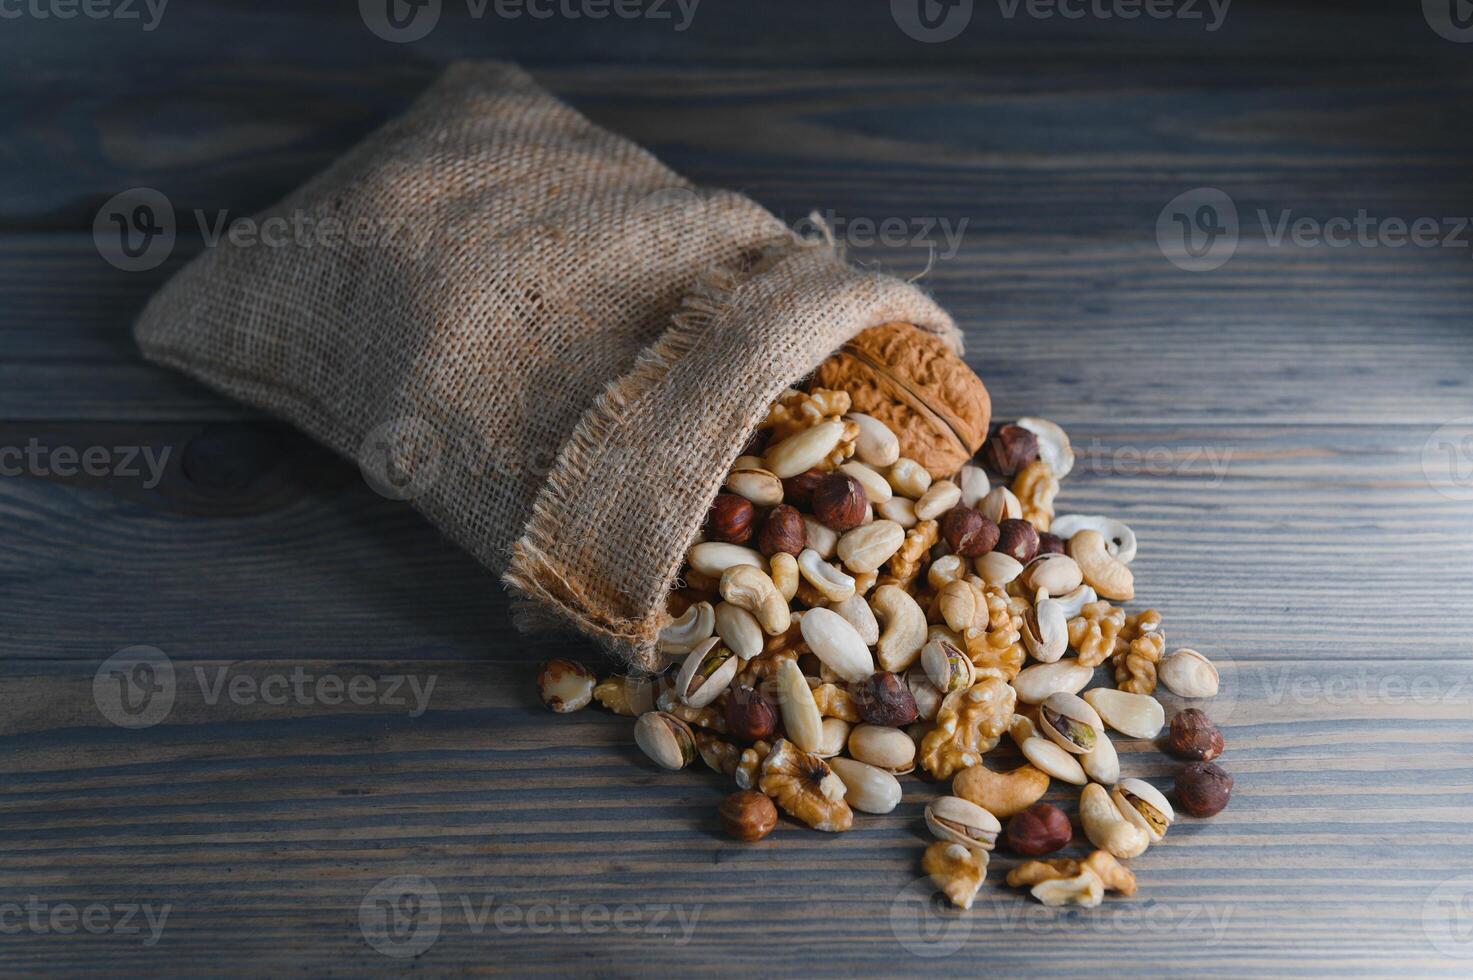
<point x="1290" y="434"/>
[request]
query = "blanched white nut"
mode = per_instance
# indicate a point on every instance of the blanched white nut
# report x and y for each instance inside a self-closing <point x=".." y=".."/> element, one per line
<point x="1070" y="723"/>
<point x="1001" y="504"/>
<point x="927" y="697"/>
<point x="820" y="537"/>
<point x="801" y="718"/>
<point x="1053" y="445"/>
<point x="712" y="558"/>
<point x="837" y="644"/>
<point x="751" y="589"/>
<point x="904" y="631"/>
<point x="1136" y="715"/>
<point x="883" y="747"/>
<point x="1021" y="729"/>
<point x="908" y="478"/>
<point x="901" y="510"/>
<point x="939" y="498"/>
<point x="1085" y="890"/>
<point x="958" y="603"/>
<point x="869" y="790"/>
<point x="739" y="630"/>
<point x="707" y="671"/>
<point x="1053" y="760"/>
<point x="1034" y="684"/>
<point x="1052" y="572"/>
<point x="1143" y="805"/>
<point x="1189" y="674"/>
<point x="783" y="570"/>
<point x="1106" y="827"/>
<point x="1075" y="601"/>
<point x="857" y="613"/>
<point x="761" y="487"/>
<point x="876" y="489"/>
<point x="833" y="734"/>
<point x="947" y="568"/>
<point x="834" y="585"/>
<point x="804" y="450"/>
<point x="1102" y="763"/>
<point x="974" y="483"/>
<point x="876" y="444"/>
<point x="1046" y="630"/>
<point x="869" y="546"/>
<point x="1106" y="575"/>
<point x="951" y="818"/>
<point x="687" y="631"/>
<point x="1119" y="538"/>
<point x="996" y="568"/>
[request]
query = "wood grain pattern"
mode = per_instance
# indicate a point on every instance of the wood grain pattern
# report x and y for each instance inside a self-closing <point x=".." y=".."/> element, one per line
<point x="1262" y="426"/>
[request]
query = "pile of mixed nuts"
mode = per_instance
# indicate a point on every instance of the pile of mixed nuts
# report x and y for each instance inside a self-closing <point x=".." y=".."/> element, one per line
<point x="846" y="619"/>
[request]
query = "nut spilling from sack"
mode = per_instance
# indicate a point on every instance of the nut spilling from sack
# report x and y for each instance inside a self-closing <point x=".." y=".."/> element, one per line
<point x="864" y="603"/>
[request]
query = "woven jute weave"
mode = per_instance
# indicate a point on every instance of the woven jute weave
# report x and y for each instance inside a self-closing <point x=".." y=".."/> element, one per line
<point x="549" y="342"/>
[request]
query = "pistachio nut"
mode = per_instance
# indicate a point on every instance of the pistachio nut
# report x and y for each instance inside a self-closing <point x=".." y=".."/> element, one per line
<point x="1070" y="723"/>
<point x="833" y="736"/>
<point x="712" y="558"/>
<point x="1001" y="504"/>
<point x="1188" y="674"/>
<point x="1143" y="805"/>
<point x="856" y="612"/>
<point x="1046" y="629"/>
<point x="904" y="630"/>
<point x="1034" y="684"/>
<point x="1102" y="763"/>
<point x="1107" y="575"/>
<point x="958" y="602"/>
<point x="869" y="546"/>
<point x="946" y="666"/>
<point x="691" y="628"/>
<point x="876" y="444"/>
<point x="908" y="478"/>
<point x="666" y="739"/>
<point x="801" y="718"/>
<point x="1058" y="574"/>
<point x="804" y="450"/>
<point x="837" y="644"/>
<point x="750" y="588"/>
<point x="996" y="568"/>
<point x="960" y="821"/>
<point x="739" y="630"/>
<point x="832" y="584"/>
<point x="1119" y="538"/>
<point x="868" y="789"/>
<point x="901" y="510"/>
<point x="707" y="671"/>
<point x="939" y="498"/>
<point x="928" y="699"/>
<point x="974" y="483"/>
<point x="884" y="748"/>
<point x="820" y="537"/>
<point x="876" y="487"/>
<point x="1136" y="715"/>
<point x="1053" y="444"/>
<point x="1054" y="761"/>
<point x="761" y="487"/>
<point x="1106" y="827"/>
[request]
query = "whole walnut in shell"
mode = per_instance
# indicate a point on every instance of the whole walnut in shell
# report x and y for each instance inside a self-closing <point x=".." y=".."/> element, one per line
<point x="914" y="383"/>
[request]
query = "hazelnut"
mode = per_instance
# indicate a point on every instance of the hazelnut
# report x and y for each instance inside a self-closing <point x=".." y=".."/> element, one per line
<point x="1009" y="449"/>
<point x="884" y="699"/>
<point x="839" y="502"/>
<point x="1050" y="544"/>
<point x="748" y="815"/>
<point x="782" y="531"/>
<point x="730" y="519"/>
<point x="1017" y="539"/>
<point x="1041" y="829"/>
<point x="799" y="489"/>
<point x="1194" y="736"/>
<point x="750" y="715"/>
<point x="1203" y="788"/>
<point x="968" y="531"/>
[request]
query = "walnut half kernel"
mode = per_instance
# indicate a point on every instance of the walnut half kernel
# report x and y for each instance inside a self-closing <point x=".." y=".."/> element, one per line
<point x="806" y="788"/>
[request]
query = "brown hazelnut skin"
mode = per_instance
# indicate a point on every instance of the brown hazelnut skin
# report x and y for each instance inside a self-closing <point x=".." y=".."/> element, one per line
<point x="839" y="502"/>
<point x="1009" y="449"/>
<point x="748" y="815"/>
<point x="1017" y="539"/>
<point x="1050" y="544"/>
<point x="798" y="490"/>
<point x="1041" y="829"/>
<point x="730" y="519"/>
<point x="884" y="699"/>
<point x="1203" y="788"/>
<point x="969" y="532"/>
<point x="1194" y="736"/>
<point x="750" y="715"/>
<point x="783" y="530"/>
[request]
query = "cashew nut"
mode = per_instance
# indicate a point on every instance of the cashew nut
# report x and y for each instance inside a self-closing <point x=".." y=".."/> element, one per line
<point x="1053" y="445"/>
<point x="1002" y="794"/>
<point x="834" y="584"/>
<point x="683" y="635"/>
<point x="1076" y="600"/>
<point x="1108" y="576"/>
<point x="751" y="589"/>
<point x="1119" y="538"/>
<point x="1106" y="827"/>
<point x="905" y="628"/>
<point x="783" y="568"/>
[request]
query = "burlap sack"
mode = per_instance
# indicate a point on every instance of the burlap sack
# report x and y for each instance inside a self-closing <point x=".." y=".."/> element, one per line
<point x="550" y="342"/>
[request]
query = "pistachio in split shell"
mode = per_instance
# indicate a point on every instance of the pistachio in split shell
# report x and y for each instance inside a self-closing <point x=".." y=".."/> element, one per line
<point x="946" y="666"/>
<point x="868" y="789"/>
<point x="1070" y="723"/>
<point x="960" y="821"/>
<point x="1136" y="715"/>
<point x="1046" y="629"/>
<point x="1102" y="763"/>
<point x="666" y="739"/>
<point x="927" y="698"/>
<point x="996" y="568"/>
<point x="1188" y="674"/>
<point x="1143" y="805"/>
<point x="1053" y="760"/>
<point x="565" y="685"/>
<point x="707" y="671"/>
<point x="1106" y="827"/>
<point x="761" y="487"/>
